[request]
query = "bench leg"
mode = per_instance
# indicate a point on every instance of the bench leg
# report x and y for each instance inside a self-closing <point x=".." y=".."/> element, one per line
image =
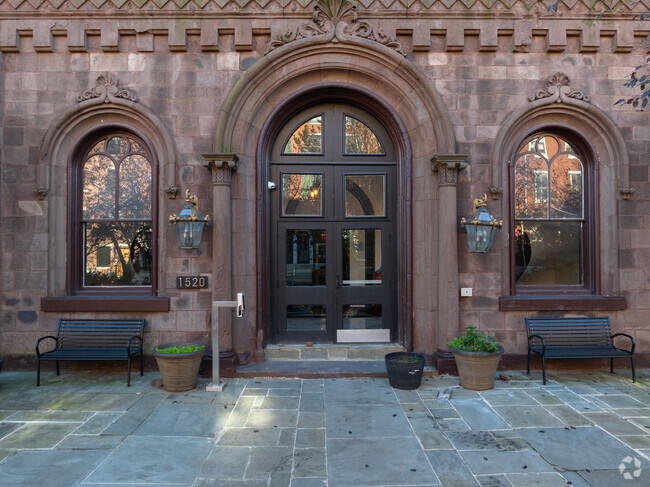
<point x="633" y="374"/>
<point x="38" y="373"/>
<point x="611" y="365"/>
<point x="528" y="363"/>
<point x="543" y="371"/>
<point x="128" y="378"/>
<point x="57" y="368"/>
<point x="141" y="363"/>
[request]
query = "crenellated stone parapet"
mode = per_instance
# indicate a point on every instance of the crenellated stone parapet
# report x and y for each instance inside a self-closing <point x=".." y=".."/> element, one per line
<point x="531" y="7"/>
<point x="256" y="30"/>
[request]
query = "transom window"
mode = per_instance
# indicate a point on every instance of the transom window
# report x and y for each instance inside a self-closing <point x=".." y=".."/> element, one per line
<point x="114" y="214"/>
<point x="552" y="244"/>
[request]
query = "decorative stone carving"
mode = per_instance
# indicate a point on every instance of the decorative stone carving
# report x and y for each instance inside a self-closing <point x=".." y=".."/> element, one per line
<point x="626" y="193"/>
<point x="40" y="193"/>
<point x="172" y="192"/>
<point x="222" y="165"/>
<point x="495" y="192"/>
<point x="106" y="91"/>
<point x="447" y="167"/>
<point x="336" y="21"/>
<point x="558" y="90"/>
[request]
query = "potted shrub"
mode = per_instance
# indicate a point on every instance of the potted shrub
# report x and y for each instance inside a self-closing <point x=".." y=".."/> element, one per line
<point x="477" y="357"/>
<point x="179" y="365"/>
<point x="404" y="369"/>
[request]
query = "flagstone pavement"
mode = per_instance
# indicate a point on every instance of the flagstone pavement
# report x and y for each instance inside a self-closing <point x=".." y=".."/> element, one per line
<point x="88" y="429"/>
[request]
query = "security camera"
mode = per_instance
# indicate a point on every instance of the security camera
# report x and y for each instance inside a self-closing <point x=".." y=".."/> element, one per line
<point x="271" y="185"/>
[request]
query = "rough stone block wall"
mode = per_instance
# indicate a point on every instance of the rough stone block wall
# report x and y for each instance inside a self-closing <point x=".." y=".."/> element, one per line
<point x="182" y="69"/>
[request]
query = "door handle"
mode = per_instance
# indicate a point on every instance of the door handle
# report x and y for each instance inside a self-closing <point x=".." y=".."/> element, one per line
<point x="338" y="282"/>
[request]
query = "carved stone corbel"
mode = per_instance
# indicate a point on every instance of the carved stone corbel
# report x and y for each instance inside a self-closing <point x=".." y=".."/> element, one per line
<point x="222" y="165"/>
<point x="495" y="192"/>
<point x="447" y="167"/>
<point x="172" y="192"/>
<point x="40" y="193"/>
<point x="626" y="193"/>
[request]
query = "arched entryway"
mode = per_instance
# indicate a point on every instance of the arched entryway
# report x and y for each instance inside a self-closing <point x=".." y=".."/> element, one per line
<point x="364" y="75"/>
<point x="333" y="221"/>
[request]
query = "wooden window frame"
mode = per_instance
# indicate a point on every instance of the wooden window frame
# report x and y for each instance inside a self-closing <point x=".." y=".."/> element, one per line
<point x="75" y="233"/>
<point x="589" y="248"/>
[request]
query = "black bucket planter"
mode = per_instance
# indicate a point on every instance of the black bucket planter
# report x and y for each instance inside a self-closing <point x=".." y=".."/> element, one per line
<point x="404" y="369"/>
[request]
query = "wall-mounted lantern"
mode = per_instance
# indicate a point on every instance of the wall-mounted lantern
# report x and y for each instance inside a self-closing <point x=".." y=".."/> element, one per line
<point x="189" y="223"/>
<point x="481" y="227"/>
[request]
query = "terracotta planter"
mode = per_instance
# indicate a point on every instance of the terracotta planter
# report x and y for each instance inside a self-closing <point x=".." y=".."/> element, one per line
<point x="477" y="370"/>
<point x="179" y="371"/>
<point x="404" y="369"/>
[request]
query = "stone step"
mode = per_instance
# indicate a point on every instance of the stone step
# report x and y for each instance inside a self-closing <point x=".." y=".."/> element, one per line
<point x="334" y="352"/>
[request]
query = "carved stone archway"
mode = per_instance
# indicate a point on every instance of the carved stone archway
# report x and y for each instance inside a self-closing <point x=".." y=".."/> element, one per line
<point x="562" y="106"/>
<point x="335" y="55"/>
<point x="104" y="105"/>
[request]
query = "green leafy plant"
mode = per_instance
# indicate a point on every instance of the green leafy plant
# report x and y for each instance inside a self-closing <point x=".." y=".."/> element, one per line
<point x="474" y="341"/>
<point x="181" y="349"/>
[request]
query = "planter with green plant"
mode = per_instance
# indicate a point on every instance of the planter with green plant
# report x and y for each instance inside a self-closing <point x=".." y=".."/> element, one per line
<point x="179" y="365"/>
<point x="477" y="358"/>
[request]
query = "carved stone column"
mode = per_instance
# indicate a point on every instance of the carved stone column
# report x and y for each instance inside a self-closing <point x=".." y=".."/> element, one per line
<point x="222" y="166"/>
<point x="447" y="166"/>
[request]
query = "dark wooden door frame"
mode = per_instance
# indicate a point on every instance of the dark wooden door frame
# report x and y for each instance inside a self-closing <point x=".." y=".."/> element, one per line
<point x="389" y="118"/>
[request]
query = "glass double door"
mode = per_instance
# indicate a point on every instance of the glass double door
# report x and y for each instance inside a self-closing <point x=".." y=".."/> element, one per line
<point x="334" y="269"/>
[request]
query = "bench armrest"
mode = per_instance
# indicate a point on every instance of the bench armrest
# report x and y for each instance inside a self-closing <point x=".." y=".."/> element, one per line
<point x="628" y="336"/>
<point x="38" y="342"/>
<point x="128" y="345"/>
<point x="541" y="338"/>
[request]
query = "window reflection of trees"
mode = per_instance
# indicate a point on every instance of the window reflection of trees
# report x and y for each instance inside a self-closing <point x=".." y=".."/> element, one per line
<point x="301" y="194"/>
<point x="116" y="213"/>
<point x="549" y="213"/>
<point x="307" y="139"/>
<point x="360" y="139"/>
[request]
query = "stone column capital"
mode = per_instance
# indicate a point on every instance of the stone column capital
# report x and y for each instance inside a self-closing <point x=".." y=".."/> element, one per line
<point x="447" y="167"/>
<point x="222" y="165"/>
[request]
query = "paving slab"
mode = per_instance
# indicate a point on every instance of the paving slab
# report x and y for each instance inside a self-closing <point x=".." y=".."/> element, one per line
<point x="478" y="415"/>
<point x="37" y="435"/>
<point x="170" y="419"/>
<point x="614" y="424"/>
<point x="494" y="462"/>
<point x="375" y="462"/>
<point x="537" y="480"/>
<point x="527" y="416"/>
<point x="582" y="448"/>
<point x="375" y="422"/>
<point x="30" y="468"/>
<point x="451" y="469"/>
<point x="226" y="462"/>
<point x="154" y="459"/>
<point x="359" y="392"/>
<point x="613" y="478"/>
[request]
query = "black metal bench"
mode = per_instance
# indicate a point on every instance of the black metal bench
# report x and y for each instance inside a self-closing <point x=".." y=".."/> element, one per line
<point x="575" y="338"/>
<point x="94" y="340"/>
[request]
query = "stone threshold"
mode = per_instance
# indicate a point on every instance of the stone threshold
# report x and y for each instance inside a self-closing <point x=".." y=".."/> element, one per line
<point x="331" y="352"/>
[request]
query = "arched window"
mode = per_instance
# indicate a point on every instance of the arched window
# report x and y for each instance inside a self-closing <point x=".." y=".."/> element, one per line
<point x="113" y="245"/>
<point x="553" y="213"/>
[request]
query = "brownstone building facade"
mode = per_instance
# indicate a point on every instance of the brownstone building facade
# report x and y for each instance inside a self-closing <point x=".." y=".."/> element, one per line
<point x="335" y="147"/>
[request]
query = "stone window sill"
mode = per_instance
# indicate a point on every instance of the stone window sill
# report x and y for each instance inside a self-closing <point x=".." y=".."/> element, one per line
<point x="105" y="303"/>
<point x="562" y="303"/>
